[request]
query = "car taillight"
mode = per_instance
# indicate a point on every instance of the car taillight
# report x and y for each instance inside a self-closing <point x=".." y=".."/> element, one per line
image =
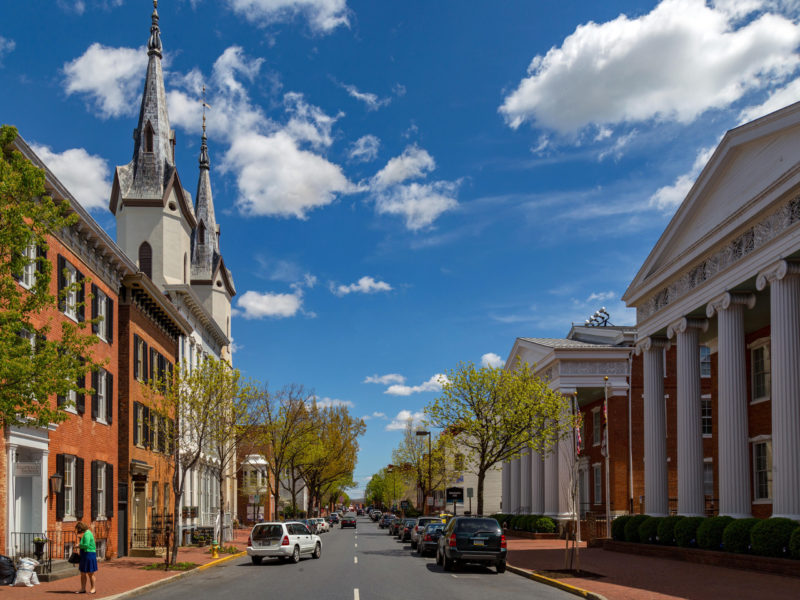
<point x="452" y="542"/>
<point x="249" y="540"/>
<point x="285" y="541"/>
<point x="428" y="537"/>
<point x="503" y="541"/>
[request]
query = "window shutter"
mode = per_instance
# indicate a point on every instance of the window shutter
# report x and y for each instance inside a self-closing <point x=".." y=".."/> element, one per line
<point x="80" y="399"/>
<point x="109" y="491"/>
<point x="162" y="434"/>
<point x="109" y="320"/>
<point x="78" y="488"/>
<point x="60" y="495"/>
<point x="171" y="438"/>
<point x="136" y="440"/>
<point x="94" y="308"/>
<point x="144" y="374"/>
<point x="146" y="426"/>
<point x="62" y="283"/>
<point x="81" y="297"/>
<point x="135" y="356"/>
<point x="153" y="364"/>
<point x="109" y="398"/>
<point x="95" y="466"/>
<point x="41" y="255"/>
<point x="95" y="387"/>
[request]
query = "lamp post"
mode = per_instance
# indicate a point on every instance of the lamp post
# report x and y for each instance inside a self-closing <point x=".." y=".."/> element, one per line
<point x="430" y="470"/>
<point x="390" y="471"/>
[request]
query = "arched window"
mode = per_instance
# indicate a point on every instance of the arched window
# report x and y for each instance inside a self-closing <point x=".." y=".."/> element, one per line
<point x="185" y="267"/>
<point x="201" y="234"/>
<point x="148" y="137"/>
<point x="229" y="326"/>
<point x="146" y="259"/>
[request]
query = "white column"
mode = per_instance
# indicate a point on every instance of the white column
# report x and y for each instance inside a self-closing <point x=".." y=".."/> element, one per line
<point x="551" y="483"/>
<point x="784" y="301"/>
<point x="732" y="435"/>
<point x="691" y="500"/>
<point x="537" y="484"/>
<point x="566" y="459"/>
<point x="656" y="495"/>
<point x="46" y="490"/>
<point x="506" y="489"/>
<point x="525" y="494"/>
<point x="11" y="453"/>
<point x="515" y="477"/>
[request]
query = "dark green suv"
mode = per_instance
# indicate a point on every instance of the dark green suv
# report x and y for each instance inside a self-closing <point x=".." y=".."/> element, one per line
<point x="472" y="540"/>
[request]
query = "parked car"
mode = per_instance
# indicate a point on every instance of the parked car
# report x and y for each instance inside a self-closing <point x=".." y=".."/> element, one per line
<point x="349" y="520"/>
<point x="420" y="526"/>
<point x="284" y="541"/>
<point x="334" y="519"/>
<point x="311" y="524"/>
<point x="395" y="525"/>
<point x="472" y="540"/>
<point x="322" y="525"/>
<point x="375" y="515"/>
<point x="430" y="539"/>
<point x="385" y="519"/>
<point x="404" y="531"/>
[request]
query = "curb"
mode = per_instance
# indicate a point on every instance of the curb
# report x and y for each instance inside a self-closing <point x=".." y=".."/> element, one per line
<point x="167" y="580"/>
<point x="556" y="584"/>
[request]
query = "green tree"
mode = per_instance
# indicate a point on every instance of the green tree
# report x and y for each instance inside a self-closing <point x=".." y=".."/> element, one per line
<point x="40" y="355"/>
<point x="411" y="458"/>
<point x="494" y="414"/>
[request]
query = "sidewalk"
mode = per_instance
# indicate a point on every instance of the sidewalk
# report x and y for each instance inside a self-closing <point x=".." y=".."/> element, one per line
<point x="632" y="577"/>
<point x="121" y="574"/>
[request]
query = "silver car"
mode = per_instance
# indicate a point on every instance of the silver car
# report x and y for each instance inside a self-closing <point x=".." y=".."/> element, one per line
<point x="284" y="541"/>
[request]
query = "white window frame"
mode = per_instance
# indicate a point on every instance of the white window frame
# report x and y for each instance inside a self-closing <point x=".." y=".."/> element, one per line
<point x="140" y="426"/>
<point x="71" y="300"/>
<point x="69" y="487"/>
<point x="102" y="382"/>
<point x="759" y="344"/>
<point x="102" y="310"/>
<point x="705" y="400"/>
<point x="766" y="442"/>
<point x="707" y="349"/>
<point x="708" y="462"/>
<point x="29" y="270"/>
<point x="140" y="363"/>
<point x="597" y="487"/>
<point x="597" y="426"/>
<point x="100" y="492"/>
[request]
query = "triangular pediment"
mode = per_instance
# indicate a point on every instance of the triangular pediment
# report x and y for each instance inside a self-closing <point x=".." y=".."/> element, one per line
<point x="751" y="168"/>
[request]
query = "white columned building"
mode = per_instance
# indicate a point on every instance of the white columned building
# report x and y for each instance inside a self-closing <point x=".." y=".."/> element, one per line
<point x="731" y="255"/>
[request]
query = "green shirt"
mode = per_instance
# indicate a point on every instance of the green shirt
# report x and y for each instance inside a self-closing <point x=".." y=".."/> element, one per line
<point x="87" y="542"/>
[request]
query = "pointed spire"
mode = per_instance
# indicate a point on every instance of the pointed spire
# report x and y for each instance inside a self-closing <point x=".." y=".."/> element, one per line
<point x="204" y="162"/>
<point x="205" y="241"/>
<point x="154" y="43"/>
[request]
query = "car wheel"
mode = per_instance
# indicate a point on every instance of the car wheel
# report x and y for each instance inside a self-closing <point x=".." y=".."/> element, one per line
<point x="256" y="560"/>
<point x="296" y="554"/>
<point x="317" y="550"/>
<point x="501" y="567"/>
<point x="413" y="545"/>
<point x="447" y="563"/>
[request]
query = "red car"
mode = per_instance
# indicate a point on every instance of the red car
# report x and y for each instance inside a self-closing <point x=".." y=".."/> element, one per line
<point x="349" y="520"/>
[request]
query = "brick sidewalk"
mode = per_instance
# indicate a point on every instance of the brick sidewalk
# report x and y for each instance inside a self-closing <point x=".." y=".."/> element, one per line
<point x="633" y="577"/>
<point x="120" y="574"/>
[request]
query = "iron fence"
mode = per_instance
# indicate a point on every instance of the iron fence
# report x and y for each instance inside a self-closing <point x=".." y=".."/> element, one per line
<point x="53" y="545"/>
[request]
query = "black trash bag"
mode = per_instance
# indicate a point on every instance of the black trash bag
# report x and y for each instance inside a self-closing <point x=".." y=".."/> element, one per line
<point x="7" y="571"/>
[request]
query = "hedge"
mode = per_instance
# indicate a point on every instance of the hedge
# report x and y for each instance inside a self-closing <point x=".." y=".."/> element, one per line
<point x="686" y="531"/>
<point x="632" y="528"/>
<point x="648" y="530"/>
<point x="666" y="530"/>
<point x="794" y="544"/>
<point x="545" y="525"/>
<point x="618" y="527"/>
<point x="771" y="537"/>
<point x="709" y="534"/>
<point x="736" y="537"/>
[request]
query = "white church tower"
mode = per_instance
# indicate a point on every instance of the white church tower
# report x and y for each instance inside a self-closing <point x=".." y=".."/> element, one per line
<point x="154" y="213"/>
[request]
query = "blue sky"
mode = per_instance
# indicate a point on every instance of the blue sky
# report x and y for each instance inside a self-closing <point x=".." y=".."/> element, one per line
<point x="405" y="185"/>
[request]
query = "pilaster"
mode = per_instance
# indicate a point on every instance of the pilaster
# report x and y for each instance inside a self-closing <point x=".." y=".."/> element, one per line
<point x="537" y="484"/>
<point x="656" y="495"/>
<point x="525" y="475"/>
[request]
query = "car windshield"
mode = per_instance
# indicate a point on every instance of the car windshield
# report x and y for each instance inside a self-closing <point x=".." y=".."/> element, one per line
<point x="476" y="525"/>
<point x="267" y="532"/>
<point x="435" y="527"/>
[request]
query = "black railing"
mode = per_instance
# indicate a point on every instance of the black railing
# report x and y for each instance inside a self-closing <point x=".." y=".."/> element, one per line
<point x="149" y="538"/>
<point x="52" y="545"/>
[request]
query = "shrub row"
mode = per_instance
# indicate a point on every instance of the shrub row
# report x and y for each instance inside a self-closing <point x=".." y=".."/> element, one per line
<point x="532" y="523"/>
<point x="777" y="537"/>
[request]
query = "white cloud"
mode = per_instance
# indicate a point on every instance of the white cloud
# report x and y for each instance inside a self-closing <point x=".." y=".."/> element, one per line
<point x="372" y="101"/>
<point x="6" y="46"/>
<point x="323" y="15"/>
<point x="601" y="296"/>
<point x="779" y="98"/>
<point x="490" y="359"/>
<point x="76" y="6"/>
<point x="434" y="384"/>
<point x="413" y="163"/>
<point x="385" y="379"/>
<point x="603" y="74"/>
<point x="365" y="149"/>
<point x="85" y="175"/>
<point x="669" y="197"/>
<point x="375" y="415"/>
<point x="365" y="285"/>
<point x="402" y="419"/>
<point x="257" y="305"/>
<point x="419" y="204"/>
<point x="111" y="77"/>
<point x="308" y="123"/>
<point x="333" y="402"/>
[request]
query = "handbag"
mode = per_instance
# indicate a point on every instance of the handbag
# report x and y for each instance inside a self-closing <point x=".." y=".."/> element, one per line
<point x="74" y="558"/>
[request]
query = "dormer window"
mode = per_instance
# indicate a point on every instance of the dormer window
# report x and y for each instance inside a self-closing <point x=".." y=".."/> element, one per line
<point x="201" y="234"/>
<point x="148" y="137"/>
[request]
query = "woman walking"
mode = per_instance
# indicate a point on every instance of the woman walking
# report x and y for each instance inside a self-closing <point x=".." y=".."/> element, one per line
<point x="88" y="564"/>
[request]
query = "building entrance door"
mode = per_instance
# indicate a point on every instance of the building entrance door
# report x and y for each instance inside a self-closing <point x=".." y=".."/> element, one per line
<point x="23" y="505"/>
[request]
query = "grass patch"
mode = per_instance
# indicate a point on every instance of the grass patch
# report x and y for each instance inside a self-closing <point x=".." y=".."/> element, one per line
<point x="229" y="550"/>
<point x="181" y="566"/>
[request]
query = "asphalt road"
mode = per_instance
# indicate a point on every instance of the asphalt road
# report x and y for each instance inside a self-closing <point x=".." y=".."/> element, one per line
<point x="362" y="564"/>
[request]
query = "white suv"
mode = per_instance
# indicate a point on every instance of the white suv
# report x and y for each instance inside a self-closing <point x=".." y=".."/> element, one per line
<point x="284" y="541"/>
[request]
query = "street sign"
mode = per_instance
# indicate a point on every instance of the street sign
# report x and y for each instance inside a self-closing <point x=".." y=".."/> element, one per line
<point x="455" y="494"/>
<point x="469" y="492"/>
<point x="404" y="504"/>
<point x="430" y="500"/>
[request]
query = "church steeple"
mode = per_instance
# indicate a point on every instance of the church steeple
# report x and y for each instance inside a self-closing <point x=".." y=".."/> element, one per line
<point x="154" y="141"/>
<point x="205" y="240"/>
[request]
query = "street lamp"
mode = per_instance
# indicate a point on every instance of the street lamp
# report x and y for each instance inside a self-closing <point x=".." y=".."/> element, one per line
<point x="430" y="470"/>
<point x="390" y="470"/>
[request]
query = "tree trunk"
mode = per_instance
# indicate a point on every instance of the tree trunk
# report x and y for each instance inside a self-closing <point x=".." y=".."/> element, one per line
<point x="177" y="493"/>
<point x="481" y="477"/>
<point x="221" y="478"/>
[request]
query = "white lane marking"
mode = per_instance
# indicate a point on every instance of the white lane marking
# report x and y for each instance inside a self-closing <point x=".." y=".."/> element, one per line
<point x="355" y="560"/>
<point x="356" y="545"/>
<point x="355" y="593"/>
